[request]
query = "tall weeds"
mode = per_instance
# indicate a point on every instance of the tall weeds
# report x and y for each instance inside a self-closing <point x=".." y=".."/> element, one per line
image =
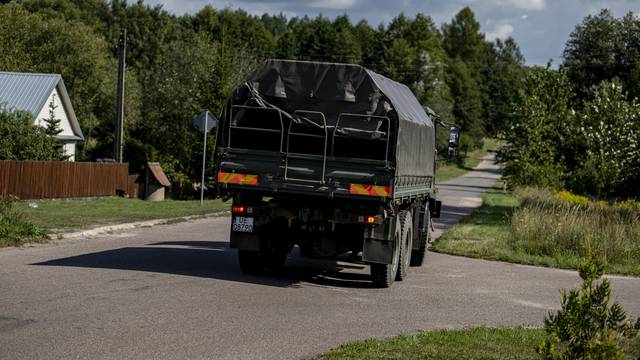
<point x="14" y="229"/>
<point x="557" y="225"/>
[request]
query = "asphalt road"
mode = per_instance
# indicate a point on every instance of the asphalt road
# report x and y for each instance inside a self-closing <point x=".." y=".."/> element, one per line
<point x="175" y="292"/>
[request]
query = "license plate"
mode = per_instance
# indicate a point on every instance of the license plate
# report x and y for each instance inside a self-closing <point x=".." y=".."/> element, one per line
<point x="242" y="224"/>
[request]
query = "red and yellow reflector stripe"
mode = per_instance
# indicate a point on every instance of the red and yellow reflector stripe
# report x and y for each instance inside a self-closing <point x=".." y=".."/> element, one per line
<point x="370" y="190"/>
<point x="240" y="179"/>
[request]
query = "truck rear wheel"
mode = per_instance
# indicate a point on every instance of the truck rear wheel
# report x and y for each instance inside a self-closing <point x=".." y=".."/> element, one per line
<point x="383" y="275"/>
<point x="250" y="262"/>
<point x="406" y="244"/>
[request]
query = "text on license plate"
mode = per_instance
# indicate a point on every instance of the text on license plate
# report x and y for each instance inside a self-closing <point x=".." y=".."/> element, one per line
<point x="242" y="224"/>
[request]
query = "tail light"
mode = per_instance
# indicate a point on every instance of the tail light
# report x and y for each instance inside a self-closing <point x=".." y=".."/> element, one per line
<point x="368" y="219"/>
<point x="242" y="209"/>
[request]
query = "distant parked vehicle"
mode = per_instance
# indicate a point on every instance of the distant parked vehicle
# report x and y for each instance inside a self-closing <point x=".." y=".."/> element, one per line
<point x="332" y="158"/>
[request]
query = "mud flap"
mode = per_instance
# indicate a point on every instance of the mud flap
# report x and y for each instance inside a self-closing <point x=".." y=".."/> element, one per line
<point x="245" y="241"/>
<point x="378" y="244"/>
<point x="434" y="207"/>
<point x="422" y="222"/>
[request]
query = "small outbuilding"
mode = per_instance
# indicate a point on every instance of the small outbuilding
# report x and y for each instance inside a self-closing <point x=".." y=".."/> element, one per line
<point x="155" y="182"/>
<point x="35" y="93"/>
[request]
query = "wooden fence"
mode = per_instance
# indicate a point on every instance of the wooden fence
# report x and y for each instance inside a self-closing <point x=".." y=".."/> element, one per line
<point x="62" y="179"/>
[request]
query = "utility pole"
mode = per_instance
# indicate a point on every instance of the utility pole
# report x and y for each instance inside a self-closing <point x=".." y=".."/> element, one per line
<point x="122" y="54"/>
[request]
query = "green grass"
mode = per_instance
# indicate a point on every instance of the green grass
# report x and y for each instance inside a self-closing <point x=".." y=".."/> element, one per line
<point x="65" y="215"/>
<point x="448" y="170"/>
<point x="475" y="343"/>
<point x="518" y="229"/>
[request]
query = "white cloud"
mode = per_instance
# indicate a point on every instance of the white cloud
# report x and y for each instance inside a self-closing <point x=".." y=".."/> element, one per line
<point x="501" y="32"/>
<point x="332" y="4"/>
<point x="528" y="4"/>
<point x="524" y="17"/>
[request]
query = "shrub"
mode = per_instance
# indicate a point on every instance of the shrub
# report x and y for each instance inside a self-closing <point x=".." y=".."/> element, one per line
<point x="587" y="327"/>
<point x="572" y="198"/>
<point x="13" y="228"/>
<point x="21" y="140"/>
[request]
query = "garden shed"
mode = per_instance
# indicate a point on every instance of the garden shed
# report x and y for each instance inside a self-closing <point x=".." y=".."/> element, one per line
<point x="155" y="182"/>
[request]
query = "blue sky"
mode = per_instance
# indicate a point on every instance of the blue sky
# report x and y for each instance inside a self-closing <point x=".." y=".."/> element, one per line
<point x="541" y="27"/>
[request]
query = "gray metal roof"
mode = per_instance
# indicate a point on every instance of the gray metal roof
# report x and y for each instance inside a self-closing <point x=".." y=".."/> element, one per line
<point x="30" y="92"/>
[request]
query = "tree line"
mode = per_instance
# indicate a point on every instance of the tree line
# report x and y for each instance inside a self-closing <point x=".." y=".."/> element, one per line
<point x="574" y="126"/>
<point x="578" y="127"/>
<point x="180" y="65"/>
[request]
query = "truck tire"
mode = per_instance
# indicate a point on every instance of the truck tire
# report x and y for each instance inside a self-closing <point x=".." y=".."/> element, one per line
<point x="406" y="244"/>
<point x="250" y="262"/>
<point x="383" y="275"/>
<point x="424" y="238"/>
<point x="273" y="252"/>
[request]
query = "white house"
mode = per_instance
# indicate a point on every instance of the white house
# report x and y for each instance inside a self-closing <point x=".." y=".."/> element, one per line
<point x="34" y="93"/>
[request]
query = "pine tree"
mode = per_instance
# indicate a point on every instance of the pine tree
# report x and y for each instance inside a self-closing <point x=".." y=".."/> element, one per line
<point x="52" y="127"/>
<point x="587" y="326"/>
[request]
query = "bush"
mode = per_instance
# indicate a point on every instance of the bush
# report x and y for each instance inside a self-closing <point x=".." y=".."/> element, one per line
<point x="587" y="327"/>
<point x="14" y="230"/>
<point x="564" y="224"/>
<point x="21" y="140"/>
<point x="610" y="130"/>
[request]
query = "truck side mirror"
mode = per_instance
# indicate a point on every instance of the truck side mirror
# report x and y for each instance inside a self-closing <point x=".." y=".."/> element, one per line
<point x="454" y="141"/>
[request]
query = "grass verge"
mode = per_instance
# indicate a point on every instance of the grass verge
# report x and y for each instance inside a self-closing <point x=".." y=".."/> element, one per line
<point x="448" y="170"/>
<point x="475" y="343"/>
<point x="535" y="227"/>
<point x="66" y="215"/>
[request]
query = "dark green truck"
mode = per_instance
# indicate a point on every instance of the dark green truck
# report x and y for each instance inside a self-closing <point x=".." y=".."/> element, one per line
<point x="333" y="158"/>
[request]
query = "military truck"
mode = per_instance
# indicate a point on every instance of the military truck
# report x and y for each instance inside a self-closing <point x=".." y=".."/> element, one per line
<point x="333" y="158"/>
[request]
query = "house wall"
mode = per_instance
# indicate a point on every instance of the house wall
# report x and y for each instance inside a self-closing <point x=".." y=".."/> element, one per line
<point x="70" y="151"/>
<point x="60" y="112"/>
<point x="65" y="124"/>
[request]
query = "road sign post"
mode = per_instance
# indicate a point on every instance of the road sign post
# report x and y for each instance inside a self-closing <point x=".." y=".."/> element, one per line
<point x="206" y="121"/>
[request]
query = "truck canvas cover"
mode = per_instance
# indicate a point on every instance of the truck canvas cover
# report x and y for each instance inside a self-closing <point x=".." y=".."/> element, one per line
<point x="300" y="89"/>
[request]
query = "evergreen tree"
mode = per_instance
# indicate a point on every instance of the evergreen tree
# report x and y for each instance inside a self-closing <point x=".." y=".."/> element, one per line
<point x="463" y="39"/>
<point x="467" y="103"/>
<point x="503" y="72"/>
<point x="590" y="55"/>
<point x="587" y="326"/>
<point x="52" y="127"/>
<point x="465" y="45"/>
<point x="347" y="47"/>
